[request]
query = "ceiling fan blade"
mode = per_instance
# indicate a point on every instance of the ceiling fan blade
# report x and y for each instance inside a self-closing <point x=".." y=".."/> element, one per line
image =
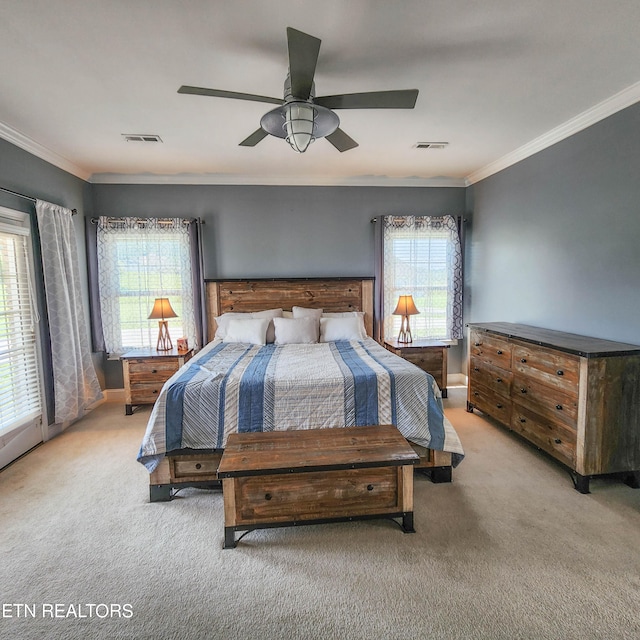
<point x="303" y="56"/>
<point x="254" y="138"/>
<point x="341" y="141"/>
<point x="218" y="93"/>
<point x="402" y="99"/>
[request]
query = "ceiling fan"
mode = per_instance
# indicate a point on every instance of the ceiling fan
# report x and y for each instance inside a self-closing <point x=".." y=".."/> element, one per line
<point x="301" y="117"/>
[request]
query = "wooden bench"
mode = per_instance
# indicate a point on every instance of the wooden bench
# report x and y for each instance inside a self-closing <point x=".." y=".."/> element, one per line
<point x="288" y="478"/>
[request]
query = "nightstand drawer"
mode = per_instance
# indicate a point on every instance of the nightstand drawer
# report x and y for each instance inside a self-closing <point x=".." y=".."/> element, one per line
<point x="145" y="392"/>
<point x="146" y="371"/>
<point x="428" y="355"/>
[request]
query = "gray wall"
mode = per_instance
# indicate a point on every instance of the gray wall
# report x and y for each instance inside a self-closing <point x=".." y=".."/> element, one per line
<point x="272" y="231"/>
<point x="555" y="240"/>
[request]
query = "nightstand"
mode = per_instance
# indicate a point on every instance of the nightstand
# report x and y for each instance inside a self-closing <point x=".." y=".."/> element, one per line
<point x="429" y="355"/>
<point x="146" y="370"/>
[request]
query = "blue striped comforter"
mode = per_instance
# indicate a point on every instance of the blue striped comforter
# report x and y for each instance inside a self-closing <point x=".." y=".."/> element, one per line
<point x="231" y="388"/>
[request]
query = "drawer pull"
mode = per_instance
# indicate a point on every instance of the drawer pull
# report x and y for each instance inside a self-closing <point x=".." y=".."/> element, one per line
<point x="522" y="420"/>
<point x="560" y="372"/>
<point x="369" y="487"/>
<point x="154" y="371"/>
<point x="558" y="441"/>
<point x="476" y="369"/>
<point x="478" y="344"/>
<point x="267" y="496"/>
<point x="155" y="391"/>
<point x="499" y="406"/>
<point x="523" y="360"/>
<point x="523" y="390"/>
<point x="498" y="379"/>
<point x="559" y="407"/>
<point x="476" y="393"/>
<point x="499" y="352"/>
<point x="198" y="465"/>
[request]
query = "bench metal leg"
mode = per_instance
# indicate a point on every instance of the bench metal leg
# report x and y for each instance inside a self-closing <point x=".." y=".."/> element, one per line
<point x="229" y="538"/>
<point x="407" y="522"/>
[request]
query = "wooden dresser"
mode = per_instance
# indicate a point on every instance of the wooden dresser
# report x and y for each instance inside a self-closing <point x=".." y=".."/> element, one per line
<point x="429" y="355"/>
<point x="577" y="398"/>
<point x="146" y="370"/>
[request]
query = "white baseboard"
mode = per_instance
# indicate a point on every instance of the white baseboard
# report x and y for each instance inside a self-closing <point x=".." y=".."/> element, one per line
<point x="114" y="395"/>
<point x="456" y="380"/>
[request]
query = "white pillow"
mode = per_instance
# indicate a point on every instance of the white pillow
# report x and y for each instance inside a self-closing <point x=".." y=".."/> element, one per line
<point x="223" y="320"/>
<point x="349" y="314"/>
<point x="247" y="330"/>
<point x="270" y="314"/>
<point x="296" y="330"/>
<point x="305" y="312"/>
<point x="334" y="329"/>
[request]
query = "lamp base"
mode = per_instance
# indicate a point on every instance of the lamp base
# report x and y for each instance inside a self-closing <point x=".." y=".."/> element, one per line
<point x="164" y="341"/>
<point x="404" y="336"/>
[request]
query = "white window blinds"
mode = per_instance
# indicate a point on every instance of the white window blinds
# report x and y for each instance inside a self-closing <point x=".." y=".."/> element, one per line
<point x="422" y="257"/>
<point x="20" y="389"/>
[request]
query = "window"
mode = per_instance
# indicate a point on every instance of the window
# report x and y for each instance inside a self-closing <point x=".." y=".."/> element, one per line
<point x="20" y="381"/>
<point x="140" y="259"/>
<point x="422" y="257"/>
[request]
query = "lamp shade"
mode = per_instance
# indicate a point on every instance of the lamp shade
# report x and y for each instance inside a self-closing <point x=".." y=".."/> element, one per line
<point x="162" y="309"/>
<point x="405" y="307"/>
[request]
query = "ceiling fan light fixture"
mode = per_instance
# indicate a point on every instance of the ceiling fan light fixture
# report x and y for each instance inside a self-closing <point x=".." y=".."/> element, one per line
<point x="300" y="123"/>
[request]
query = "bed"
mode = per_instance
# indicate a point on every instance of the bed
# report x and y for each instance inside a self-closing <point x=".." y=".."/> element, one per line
<point x="235" y="383"/>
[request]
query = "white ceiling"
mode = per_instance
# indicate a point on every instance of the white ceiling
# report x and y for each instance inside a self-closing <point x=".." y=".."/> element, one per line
<point x="498" y="80"/>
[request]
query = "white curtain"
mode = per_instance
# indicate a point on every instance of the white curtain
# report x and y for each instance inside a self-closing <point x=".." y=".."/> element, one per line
<point x="75" y="382"/>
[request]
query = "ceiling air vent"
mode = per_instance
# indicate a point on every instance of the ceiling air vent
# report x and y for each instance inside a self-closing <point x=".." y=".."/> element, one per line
<point x="432" y="145"/>
<point x="141" y="137"/>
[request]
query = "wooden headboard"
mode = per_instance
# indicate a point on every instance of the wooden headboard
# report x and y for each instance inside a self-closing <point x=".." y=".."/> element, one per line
<point x="331" y="294"/>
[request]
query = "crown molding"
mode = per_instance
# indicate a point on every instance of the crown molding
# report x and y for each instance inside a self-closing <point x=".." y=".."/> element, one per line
<point x="35" y="148"/>
<point x="602" y="110"/>
<point x="289" y="181"/>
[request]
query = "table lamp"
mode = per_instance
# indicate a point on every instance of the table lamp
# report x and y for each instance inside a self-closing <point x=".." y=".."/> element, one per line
<point x="405" y="308"/>
<point x="161" y="311"/>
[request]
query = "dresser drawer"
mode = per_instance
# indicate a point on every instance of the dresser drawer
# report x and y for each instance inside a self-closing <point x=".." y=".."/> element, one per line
<point x="558" y="370"/>
<point x="489" y="376"/>
<point x="550" y="403"/>
<point x="555" y="438"/>
<point x="491" y="348"/>
<point x="493" y="404"/>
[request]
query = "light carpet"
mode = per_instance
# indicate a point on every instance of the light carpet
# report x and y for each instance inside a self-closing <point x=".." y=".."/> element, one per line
<point x="508" y="550"/>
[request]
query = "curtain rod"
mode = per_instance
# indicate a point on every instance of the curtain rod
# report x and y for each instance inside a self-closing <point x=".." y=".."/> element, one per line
<point x="162" y="219"/>
<point x="22" y="195"/>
